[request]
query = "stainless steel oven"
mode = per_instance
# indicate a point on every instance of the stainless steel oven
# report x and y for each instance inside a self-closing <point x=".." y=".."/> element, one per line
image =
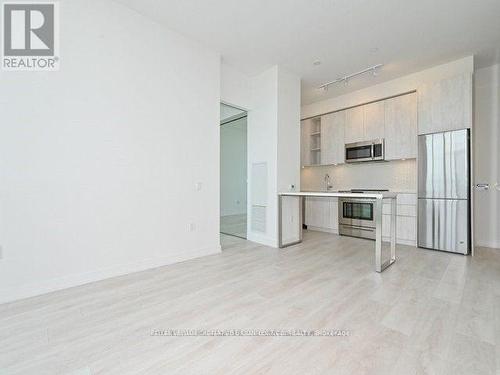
<point x="356" y="218"/>
<point x="365" y="151"/>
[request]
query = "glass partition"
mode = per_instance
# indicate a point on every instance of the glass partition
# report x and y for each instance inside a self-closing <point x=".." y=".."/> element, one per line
<point x="233" y="172"/>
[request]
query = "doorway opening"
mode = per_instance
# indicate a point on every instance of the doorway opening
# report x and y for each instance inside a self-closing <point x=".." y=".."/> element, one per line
<point x="233" y="171"/>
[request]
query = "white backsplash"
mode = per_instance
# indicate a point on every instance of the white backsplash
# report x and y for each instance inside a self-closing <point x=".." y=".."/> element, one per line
<point x="397" y="176"/>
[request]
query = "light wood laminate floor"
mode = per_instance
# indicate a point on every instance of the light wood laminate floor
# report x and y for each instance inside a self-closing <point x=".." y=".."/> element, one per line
<point x="234" y="225"/>
<point x="431" y="313"/>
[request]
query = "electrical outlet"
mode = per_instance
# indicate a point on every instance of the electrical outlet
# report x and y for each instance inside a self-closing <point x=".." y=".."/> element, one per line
<point x="192" y="227"/>
<point x="198" y="186"/>
<point x="1" y="252"/>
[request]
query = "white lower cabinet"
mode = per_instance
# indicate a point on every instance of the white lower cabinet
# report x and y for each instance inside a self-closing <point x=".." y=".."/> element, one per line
<point x="406" y="220"/>
<point x="406" y="229"/>
<point x="321" y="214"/>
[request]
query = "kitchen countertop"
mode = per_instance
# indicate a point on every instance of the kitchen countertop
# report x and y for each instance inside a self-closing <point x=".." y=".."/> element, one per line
<point x="336" y="194"/>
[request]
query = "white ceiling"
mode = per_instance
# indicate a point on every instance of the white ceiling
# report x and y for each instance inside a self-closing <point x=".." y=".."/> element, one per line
<point x="345" y="35"/>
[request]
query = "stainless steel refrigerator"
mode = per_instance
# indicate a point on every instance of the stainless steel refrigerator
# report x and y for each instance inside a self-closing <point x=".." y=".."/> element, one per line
<point x="444" y="191"/>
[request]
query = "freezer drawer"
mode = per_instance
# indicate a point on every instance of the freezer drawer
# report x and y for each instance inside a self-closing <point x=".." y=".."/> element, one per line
<point x="443" y="224"/>
<point x="444" y="165"/>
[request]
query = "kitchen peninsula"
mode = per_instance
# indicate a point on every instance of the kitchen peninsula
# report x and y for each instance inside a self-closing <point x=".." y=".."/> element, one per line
<point x="377" y="200"/>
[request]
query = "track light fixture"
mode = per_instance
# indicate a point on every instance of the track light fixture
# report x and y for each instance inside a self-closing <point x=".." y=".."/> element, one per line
<point x="373" y="70"/>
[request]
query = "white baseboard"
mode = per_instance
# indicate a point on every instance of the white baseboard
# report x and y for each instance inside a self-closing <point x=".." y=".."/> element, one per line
<point x="26" y="291"/>
<point x="491" y="244"/>
<point x="262" y="239"/>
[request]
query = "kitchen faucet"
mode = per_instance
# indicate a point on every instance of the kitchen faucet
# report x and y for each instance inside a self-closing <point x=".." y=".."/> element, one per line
<point x="328" y="183"/>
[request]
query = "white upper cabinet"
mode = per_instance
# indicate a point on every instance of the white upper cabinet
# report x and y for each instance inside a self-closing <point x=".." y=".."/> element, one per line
<point x="394" y="119"/>
<point x="401" y="127"/>
<point x="305" y="142"/>
<point x="365" y="123"/>
<point x="332" y="138"/>
<point x="373" y="120"/>
<point x="354" y="128"/>
<point x="445" y="105"/>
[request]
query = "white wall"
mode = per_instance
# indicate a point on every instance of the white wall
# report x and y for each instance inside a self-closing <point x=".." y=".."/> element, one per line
<point x="487" y="156"/>
<point x="233" y="164"/>
<point x="273" y="102"/>
<point x="99" y="161"/>
<point x="289" y="150"/>
<point x="235" y="87"/>
<point x="390" y="88"/>
<point x="274" y="138"/>
<point x="262" y="148"/>
<point x="288" y="130"/>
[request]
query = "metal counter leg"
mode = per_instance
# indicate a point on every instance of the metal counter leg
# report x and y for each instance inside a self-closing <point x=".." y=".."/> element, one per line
<point x="301" y="224"/>
<point x="280" y="222"/>
<point x="394" y="208"/>
<point x="281" y="245"/>
<point x="378" y="235"/>
<point x="380" y="267"/>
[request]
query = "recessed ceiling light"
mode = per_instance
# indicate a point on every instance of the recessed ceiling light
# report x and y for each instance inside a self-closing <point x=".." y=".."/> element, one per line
<point x="317" y="62"/>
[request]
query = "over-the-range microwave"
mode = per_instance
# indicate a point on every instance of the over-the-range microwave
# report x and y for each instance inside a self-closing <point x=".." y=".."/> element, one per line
<point x="365" y="151"/>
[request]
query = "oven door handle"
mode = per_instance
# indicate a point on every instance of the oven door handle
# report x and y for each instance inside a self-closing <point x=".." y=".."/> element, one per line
<point x="367" y="229"/>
